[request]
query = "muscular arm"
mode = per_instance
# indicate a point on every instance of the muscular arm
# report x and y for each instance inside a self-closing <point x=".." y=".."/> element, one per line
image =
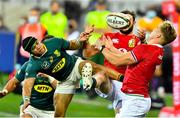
<point x="74" y="44"/>
<point x="114" y="50"/>
<point x="119" y="59"/>
<point x="89" y="51"/>
<point x="53" y="81"/>
<point x="9" y="87"/>
<point x="27" y="87"/>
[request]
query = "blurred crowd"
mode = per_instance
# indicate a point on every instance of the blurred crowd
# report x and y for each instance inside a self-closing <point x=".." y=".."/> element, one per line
<point x="68" y="23"/>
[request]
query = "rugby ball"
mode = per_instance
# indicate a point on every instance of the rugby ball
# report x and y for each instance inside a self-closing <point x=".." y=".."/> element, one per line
<point x="118" y="20"/>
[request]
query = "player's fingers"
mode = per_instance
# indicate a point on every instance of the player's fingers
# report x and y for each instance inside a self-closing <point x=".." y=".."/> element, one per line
<point x="108" y="39"/>
<point x="42" y="74"/>
<point x="22" y="110"/>
<point x="104" y="38"/>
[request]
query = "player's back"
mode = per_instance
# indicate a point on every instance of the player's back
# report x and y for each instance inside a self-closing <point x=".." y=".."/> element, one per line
<point x="123" y="43"/>
<point x="138" y="76"/>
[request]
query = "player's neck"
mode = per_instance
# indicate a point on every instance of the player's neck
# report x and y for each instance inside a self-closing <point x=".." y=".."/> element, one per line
<point x="154" y="41"/>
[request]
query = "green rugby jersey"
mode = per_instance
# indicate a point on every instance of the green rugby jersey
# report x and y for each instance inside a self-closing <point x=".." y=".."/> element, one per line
<point x="55" y="62"/>
<point x="42" y="91"/>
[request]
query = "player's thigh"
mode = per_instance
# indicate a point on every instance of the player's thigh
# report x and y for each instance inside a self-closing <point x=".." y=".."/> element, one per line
<point x="136" y="107"/>
<point x="46" y="114"/>
<point x="26" y="116"/>
<point x="29" y="112"/>
<point x="103" y="82"/>
<point x="61" y="102"/>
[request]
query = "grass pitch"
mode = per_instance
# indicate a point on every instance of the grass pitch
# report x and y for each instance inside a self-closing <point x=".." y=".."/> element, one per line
<point x="80" y="106"/>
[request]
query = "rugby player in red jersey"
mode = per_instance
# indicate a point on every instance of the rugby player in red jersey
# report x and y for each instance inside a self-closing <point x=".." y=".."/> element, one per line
<point x="122" y="41"/>
<point x="142" y="61"/>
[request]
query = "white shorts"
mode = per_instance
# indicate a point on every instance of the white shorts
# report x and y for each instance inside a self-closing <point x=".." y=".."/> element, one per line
<point x="113" y="95"/>
<point x="37" y="113"/>
<point x="69" y="85"/>
<point x="134" y="106"/>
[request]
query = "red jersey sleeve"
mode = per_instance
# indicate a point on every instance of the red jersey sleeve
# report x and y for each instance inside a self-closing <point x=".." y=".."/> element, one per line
<point x="138" y="53"/>
<point x="138" y="42"/>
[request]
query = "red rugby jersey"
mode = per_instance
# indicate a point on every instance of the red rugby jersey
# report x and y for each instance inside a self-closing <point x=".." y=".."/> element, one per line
<point x="123" y="43"/>
<point x="138" y="76"/>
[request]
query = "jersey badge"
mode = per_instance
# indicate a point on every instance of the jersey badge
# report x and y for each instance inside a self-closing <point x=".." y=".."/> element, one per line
<point x="45" y="65"/>
<point x="57" y="53"/>
<point x="131" y="43"/>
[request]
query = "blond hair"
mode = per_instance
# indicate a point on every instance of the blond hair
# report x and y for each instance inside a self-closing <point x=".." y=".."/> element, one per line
<point x="168" y="31"/>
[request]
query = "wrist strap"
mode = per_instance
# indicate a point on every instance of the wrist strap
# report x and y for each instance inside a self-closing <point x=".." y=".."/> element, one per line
<point x="51" y="79"/>
<point x="5" y="91"/>
<point x="121" y="78"/>
<point x="26" y="98"/>
<point x="102" y="47"/>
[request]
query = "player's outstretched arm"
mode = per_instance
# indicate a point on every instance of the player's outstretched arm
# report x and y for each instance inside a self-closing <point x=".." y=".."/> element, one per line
<point x="27" y="87"/>
<point x="118" y="59"/>
<point x="51" y="79"/>
<point x="9" y="87"/>
<point x="84" y="36"/>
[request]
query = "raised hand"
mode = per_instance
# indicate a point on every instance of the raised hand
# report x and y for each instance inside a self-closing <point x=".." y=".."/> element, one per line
<point x="141" y="34"/>
<point x="42" y="75"/>
<point x="86" y="34"/>
<point x="25" y="105"/>
<point x="89" y="29"/>
<point x="108" y="43"/>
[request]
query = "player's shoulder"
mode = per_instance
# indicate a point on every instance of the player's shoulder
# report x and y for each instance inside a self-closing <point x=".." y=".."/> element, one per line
<point x="142" y="47"/>
<point x="149" y="48"/>
<point x="24" y="65"/>
<point x="155" y="47"/>
<point x="135" y="37"/>
<point x="52" y="40"/>
<point x="111" y="34"/>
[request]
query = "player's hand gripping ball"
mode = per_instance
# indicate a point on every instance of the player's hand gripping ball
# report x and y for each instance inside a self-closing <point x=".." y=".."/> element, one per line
<point x="118" y="20"/>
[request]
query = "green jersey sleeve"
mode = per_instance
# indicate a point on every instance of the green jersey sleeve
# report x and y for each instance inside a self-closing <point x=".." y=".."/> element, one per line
<point x="63" y="44"/>
<point x="20" y="75"/>
<point x="32" y="70"/>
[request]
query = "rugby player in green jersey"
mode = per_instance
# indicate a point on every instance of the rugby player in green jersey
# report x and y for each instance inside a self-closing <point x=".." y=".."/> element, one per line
<point x="41" y="96"/>
<point x="50" y="57"/>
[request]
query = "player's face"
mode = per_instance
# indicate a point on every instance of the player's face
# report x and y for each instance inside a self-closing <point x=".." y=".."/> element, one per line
<point x="38" y="48"/>
<point x="130" y="28"/>
<point x="155" y="33"/>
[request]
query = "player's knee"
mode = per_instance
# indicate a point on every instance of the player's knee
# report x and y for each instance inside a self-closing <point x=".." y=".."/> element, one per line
<point x="26" y="116"/>
<point x="59" y="113"/>
<point x="102" y="76"/>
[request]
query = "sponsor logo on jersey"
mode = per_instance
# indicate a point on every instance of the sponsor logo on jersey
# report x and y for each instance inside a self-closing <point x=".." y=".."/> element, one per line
<point x="115" y="40"/>
<point x="59" y="66"/>
<point x="160" y="57"/>
<point x="43" y="88"/>
<point x="45" y="65"/>
<point x="131" y="43"/>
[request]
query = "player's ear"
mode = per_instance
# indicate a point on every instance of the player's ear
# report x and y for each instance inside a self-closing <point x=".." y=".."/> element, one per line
<point x="158" y="35"/>
<point x="134" y="22"/>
